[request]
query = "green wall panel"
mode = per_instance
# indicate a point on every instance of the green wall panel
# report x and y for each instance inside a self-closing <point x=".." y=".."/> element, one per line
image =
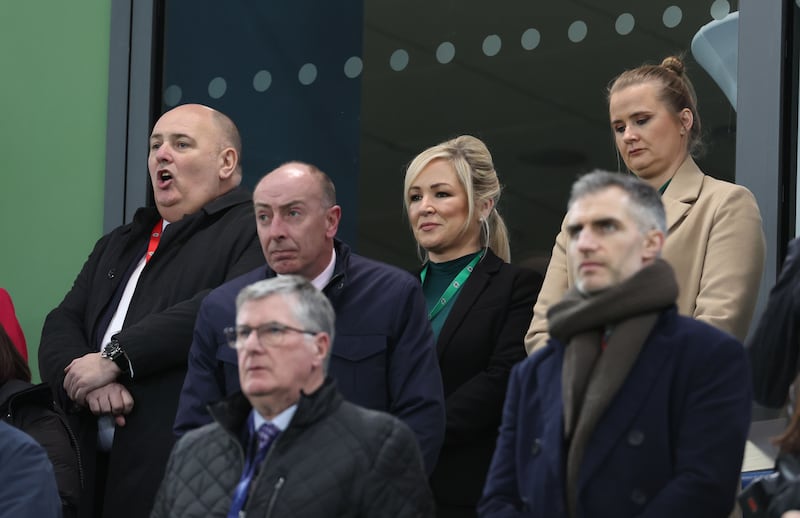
<point x="54" y="94"/>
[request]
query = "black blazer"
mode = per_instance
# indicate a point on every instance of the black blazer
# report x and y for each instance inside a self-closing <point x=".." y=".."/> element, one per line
<point x="480" y="341"/>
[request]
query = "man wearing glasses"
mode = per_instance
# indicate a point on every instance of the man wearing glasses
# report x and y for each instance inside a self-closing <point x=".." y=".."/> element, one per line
<point x="384" y="357"/>
<point x="289" y="445"/>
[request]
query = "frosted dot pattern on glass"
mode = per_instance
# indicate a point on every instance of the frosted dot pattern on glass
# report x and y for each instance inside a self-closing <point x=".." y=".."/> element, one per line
<point x="445" y="52"/>
<point x="531" y="39"/>
<point x="217" y="87"/>
<point x="577" y="31"/>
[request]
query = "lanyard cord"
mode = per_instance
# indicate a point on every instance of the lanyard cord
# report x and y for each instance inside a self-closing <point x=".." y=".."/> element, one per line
<point x="451" y="290"/>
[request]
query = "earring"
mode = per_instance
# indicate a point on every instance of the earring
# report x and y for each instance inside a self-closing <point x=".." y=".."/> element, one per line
<point x="683" y="131"/>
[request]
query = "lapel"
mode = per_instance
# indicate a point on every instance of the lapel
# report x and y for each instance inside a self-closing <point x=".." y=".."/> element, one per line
<point x="682" y="192"/>
<point x="631" y="402"/>
<point x="470" y="293"/>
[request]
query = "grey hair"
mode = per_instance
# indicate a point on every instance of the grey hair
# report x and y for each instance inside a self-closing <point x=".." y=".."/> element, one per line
<point x="645" y="207"/>
<point x="310" y="307"/>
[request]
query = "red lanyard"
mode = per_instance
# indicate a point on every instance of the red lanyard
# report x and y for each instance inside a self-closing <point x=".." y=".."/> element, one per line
<point x="155" y="236"/>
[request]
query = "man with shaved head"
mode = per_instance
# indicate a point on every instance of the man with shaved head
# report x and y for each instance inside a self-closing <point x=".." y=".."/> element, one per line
<point x="115" y="349"/>
<point x="383" y="357"/>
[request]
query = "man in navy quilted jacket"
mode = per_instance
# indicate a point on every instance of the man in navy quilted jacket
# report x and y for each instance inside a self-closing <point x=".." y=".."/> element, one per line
<point x="288" y="444"/>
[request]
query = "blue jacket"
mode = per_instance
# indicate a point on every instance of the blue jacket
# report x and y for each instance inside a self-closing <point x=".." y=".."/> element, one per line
<point x="383" y="357"/>
<point x="669" y="445"/>
<point x="27" y="483"/>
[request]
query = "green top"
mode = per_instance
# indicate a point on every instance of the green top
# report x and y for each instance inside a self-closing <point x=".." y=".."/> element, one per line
<point x="438" y="286"/>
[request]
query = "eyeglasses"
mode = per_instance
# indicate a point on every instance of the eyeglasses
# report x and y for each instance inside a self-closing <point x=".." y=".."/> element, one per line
<point x="271" y="334"/>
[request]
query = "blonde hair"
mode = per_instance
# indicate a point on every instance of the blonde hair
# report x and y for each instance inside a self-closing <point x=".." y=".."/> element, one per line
<point x="474" y="168"/>
<point x="676" y="91"/>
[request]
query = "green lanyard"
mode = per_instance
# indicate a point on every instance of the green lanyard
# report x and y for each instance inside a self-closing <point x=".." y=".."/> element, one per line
<point x="453" y="288"/>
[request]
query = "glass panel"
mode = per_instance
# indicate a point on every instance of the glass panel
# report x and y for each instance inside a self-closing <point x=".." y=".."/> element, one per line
<point x="392" y="78"/>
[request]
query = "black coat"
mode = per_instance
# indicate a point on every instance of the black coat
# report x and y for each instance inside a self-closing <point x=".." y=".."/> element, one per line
<point x="335" y="459"/>
<point x="31" y="409"/>
<point x="480" y="341"/>
<point x="774" y="346"/>
<point x="195" y="254"/>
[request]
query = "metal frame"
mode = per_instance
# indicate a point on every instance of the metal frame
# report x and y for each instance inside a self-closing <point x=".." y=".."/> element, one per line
<point x="131" y="87"/>
<point x="760" y="155"/>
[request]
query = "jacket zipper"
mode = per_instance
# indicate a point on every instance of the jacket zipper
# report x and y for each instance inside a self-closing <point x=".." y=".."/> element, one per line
<point x="274" y="497"/>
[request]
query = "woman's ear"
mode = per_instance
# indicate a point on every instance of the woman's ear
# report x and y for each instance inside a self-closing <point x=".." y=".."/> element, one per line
<point x="686" y="119"/>
<point x="485" y="208"/>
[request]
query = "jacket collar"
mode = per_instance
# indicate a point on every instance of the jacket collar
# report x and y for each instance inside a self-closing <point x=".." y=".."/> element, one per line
<point x="682" y="192"/>
<point x="470" y="293"/>
<point x="146" y="217"/>
<point x="339" y="276"/>
<point x="231" y="413"/>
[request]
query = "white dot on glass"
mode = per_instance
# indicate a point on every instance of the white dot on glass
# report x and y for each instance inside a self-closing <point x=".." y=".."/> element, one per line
<point x="217" y="87"/>
<point x="262" y="80"/>
<point x="672" y="16"/>
<point x="577" y="31"/>
<point x="624" y="24"/>
<point x="172" y="95"/>
<point x="307" y="74"/>
<point x="492" y="45"/>
<point x="398" y="60"/>
<point x="531" y="38"/>
<point x="720" y="9"/>
<point x="353" y="67"/>
<point x="445" y="52"/>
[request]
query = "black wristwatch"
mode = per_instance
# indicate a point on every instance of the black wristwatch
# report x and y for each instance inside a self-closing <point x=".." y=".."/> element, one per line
<point x="113" y="351"/>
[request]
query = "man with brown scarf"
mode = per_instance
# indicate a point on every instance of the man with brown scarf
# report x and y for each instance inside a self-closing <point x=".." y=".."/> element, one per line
<point x="631" y="409"/>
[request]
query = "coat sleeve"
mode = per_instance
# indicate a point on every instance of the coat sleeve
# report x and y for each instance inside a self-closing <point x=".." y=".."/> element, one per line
<point x="203" y="383"/>
<point x="64" y="336"/>
<point x="707" y="456"/>
<point x="476" y="406"/>
<point x="733" y="264"/>
<point x="415" y="381"/>
<point x="774" y="346"/>
<point x="556" y="283"/>
<point x="27" y="485"/>
<point x="501" y="494"/>
<point x="396" y="486"/>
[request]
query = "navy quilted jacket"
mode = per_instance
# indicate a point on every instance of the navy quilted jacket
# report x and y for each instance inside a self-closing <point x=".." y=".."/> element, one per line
<point x="336" y="459"/>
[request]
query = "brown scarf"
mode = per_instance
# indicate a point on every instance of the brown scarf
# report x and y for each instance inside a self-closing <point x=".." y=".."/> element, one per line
<point x="589" y="379"/>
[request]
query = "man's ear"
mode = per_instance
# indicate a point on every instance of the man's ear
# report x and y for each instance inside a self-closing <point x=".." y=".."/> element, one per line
<point x="653" y="243"/>
<point x="332" y="217"/>
<point x="322" y="343"/>
<point x="228" y="159"/>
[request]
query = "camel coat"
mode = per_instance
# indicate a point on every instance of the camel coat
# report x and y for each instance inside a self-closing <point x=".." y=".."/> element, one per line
<point x="715" y="245"/>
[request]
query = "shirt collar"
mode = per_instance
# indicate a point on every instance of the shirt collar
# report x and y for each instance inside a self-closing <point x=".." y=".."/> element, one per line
<point x="281" y="420"/>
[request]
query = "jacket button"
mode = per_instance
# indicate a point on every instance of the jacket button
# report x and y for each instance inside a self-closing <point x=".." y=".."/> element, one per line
<point x="536" y="447"/>
<point x="635" y="437"/>
<point x="112" y="273"/>
<point x="638" y="497"/>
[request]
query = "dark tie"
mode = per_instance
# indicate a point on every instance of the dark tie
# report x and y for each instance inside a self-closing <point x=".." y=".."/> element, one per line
<point x="265" y="434"/>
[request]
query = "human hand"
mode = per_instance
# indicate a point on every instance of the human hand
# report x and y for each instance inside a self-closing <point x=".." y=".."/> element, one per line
<point x="112" y="399"/>
<point x="88" y="373"/>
